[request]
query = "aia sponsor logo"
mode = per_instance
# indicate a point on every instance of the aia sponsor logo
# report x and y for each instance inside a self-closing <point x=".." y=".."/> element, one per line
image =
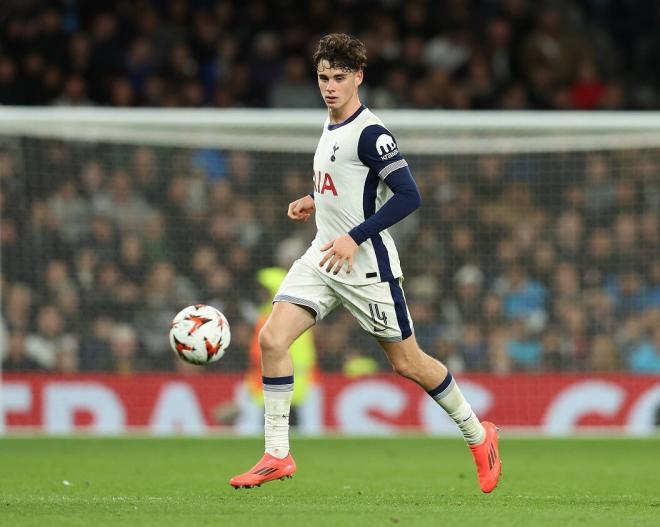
<point x="323" y="183"/>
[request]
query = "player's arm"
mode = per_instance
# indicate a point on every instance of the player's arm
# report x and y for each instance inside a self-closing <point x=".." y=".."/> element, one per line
<point x="406" y="199"/>
<point x="301" y="209"/>
<point x="375" y="151"/>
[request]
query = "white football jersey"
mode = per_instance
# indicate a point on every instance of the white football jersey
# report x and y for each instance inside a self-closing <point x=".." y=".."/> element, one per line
<point x="351" y="163"/>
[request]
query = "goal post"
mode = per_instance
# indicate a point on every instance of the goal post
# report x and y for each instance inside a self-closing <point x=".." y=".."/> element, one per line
<point x="532" y="268"/>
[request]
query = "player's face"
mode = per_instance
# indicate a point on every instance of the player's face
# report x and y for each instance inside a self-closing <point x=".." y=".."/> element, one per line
<point x="338" y="86"/>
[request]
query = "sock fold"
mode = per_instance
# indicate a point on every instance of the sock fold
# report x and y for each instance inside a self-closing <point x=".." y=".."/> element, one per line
<point x="278" y="392"/>
<point x="449" y="396"/>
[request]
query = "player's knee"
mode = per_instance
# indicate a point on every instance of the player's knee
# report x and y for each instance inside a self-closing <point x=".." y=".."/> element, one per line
<point x="410" y="365"/>
<point x="404" y="367"/>
<point x="271" y="341"/>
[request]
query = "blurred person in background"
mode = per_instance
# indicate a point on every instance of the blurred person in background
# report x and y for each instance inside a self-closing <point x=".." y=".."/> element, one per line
<point x="15" y="357"/>
<point x="465" y="304"/>
<point x="522" y="297"/>
<point x="645" y="356"/>
<point x="472" y="348"/>
<point x="50" y="340"/>
<point x="603" y="356"/>
<point x="523" y="349"/>
<point x="295" y="89"/>
<point x="124" y="348"/>
<point x="71" y="212"/>
<point x="122" y="204"/>
<point x="18" y="304"/>
<point x="94" y="353"/>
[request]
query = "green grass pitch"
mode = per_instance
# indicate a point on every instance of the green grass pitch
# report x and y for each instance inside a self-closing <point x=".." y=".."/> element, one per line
<point x="364" y="482"/>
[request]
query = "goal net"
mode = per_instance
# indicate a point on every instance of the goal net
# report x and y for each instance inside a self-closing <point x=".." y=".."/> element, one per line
<point x="532" y="268"/>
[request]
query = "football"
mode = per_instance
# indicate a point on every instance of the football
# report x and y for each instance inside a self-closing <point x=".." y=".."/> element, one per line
<point x="200" y="334"/>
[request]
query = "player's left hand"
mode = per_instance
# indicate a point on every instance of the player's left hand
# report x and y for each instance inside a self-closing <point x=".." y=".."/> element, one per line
<point x="340" y="251"/>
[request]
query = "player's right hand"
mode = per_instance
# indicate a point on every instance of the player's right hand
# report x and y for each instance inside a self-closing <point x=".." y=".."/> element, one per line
<point x="301" y="209"/>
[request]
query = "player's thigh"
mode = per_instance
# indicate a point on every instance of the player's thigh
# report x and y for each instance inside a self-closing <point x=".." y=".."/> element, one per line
<point x="380" y="309"/>
<point x="285" y="324"/>
<point x="305" y="288"/>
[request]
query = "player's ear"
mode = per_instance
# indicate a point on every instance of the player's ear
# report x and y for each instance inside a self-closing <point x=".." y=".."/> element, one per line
<point x="359" y="77"/>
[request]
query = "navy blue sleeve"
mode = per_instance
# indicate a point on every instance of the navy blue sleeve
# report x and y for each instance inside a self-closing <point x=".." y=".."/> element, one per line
<point x="377" y="149"/>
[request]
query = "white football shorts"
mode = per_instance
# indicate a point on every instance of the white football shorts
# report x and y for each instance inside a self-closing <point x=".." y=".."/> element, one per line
<point x="380" y="308"/>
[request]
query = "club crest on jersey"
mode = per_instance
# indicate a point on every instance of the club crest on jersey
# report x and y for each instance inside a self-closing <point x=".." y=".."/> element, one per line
<point x="323" y="182"/>
<point x="334" y="149"/>
<point x="386" y="147"/>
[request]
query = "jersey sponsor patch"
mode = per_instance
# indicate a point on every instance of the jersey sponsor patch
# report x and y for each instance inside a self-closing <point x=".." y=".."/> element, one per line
<point x="386" y="146"/>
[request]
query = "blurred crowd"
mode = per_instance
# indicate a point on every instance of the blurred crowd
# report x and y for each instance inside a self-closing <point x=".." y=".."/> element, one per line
<point x="526" y="262"/>
<point x="457" y="54"/>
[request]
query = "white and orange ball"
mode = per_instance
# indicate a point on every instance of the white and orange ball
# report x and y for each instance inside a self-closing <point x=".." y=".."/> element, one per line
<point x="200" y="334"/>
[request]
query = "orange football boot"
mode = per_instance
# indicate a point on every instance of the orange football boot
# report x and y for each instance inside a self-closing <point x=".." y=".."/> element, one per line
<point x="487" y="458"/>
<point x="268" y="469"/>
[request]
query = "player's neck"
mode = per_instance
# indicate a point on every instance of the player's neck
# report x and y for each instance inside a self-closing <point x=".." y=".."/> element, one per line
<point x="339" y="115"/>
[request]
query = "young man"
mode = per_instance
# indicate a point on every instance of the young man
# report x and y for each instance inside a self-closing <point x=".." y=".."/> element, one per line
<point x="362" y="186"/>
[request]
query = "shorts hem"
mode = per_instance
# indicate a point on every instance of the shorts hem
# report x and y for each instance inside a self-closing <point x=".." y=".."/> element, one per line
<point x="387" y="339"/>
<point x="301" y="302"/>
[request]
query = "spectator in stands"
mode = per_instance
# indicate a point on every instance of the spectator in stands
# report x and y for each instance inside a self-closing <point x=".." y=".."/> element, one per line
<point x="103" y="239"/>
<point x="9" y="93"/>
<point x="70" y="211"/>
<point x="543" y="263"/>
<point x="124" y="347"/>
<point x="133" y="261"/>
<point x="295" y="89"/>
<point x="588" y="90"/>
<point x="465" y="304"/>
<point x="146" y="175"/>
<point x="56" y="279"/>
<point x="523" y="298"/>
<point x="18" y="304"/>
<point x="50" y="339"/>
<point x="551" y="45"/>
<point x="123" y="205"/>
<point x="16" y="358"/>
<point x="572" y="319"/>
<point x="628" y="293"/>
<point x="553" y="358"/>
<point x="599" y="258"/>
<point x="569" y="235"/>
<point x="653" y="289"/>
<point x="155" y="241"/>
<point x="599" y="188"/>
<point x="645" y="357"/>
<point x="523" y="349"/>
<point x="74" y="92"/>
<point x="473" y="349"/>
<point x="603" y="356"/>
<point x="94" y="350"/>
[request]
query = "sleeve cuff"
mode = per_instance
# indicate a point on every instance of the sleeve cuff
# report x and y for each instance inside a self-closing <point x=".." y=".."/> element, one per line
<point x="358" y="235"/>
<point x="311" y="195"/>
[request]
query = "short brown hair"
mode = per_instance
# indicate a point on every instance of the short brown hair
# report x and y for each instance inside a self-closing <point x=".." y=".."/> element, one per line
<point x="341" y="51"/>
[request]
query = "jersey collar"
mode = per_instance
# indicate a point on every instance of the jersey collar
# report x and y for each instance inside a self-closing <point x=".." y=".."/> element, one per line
<point x="348" y="120"/>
